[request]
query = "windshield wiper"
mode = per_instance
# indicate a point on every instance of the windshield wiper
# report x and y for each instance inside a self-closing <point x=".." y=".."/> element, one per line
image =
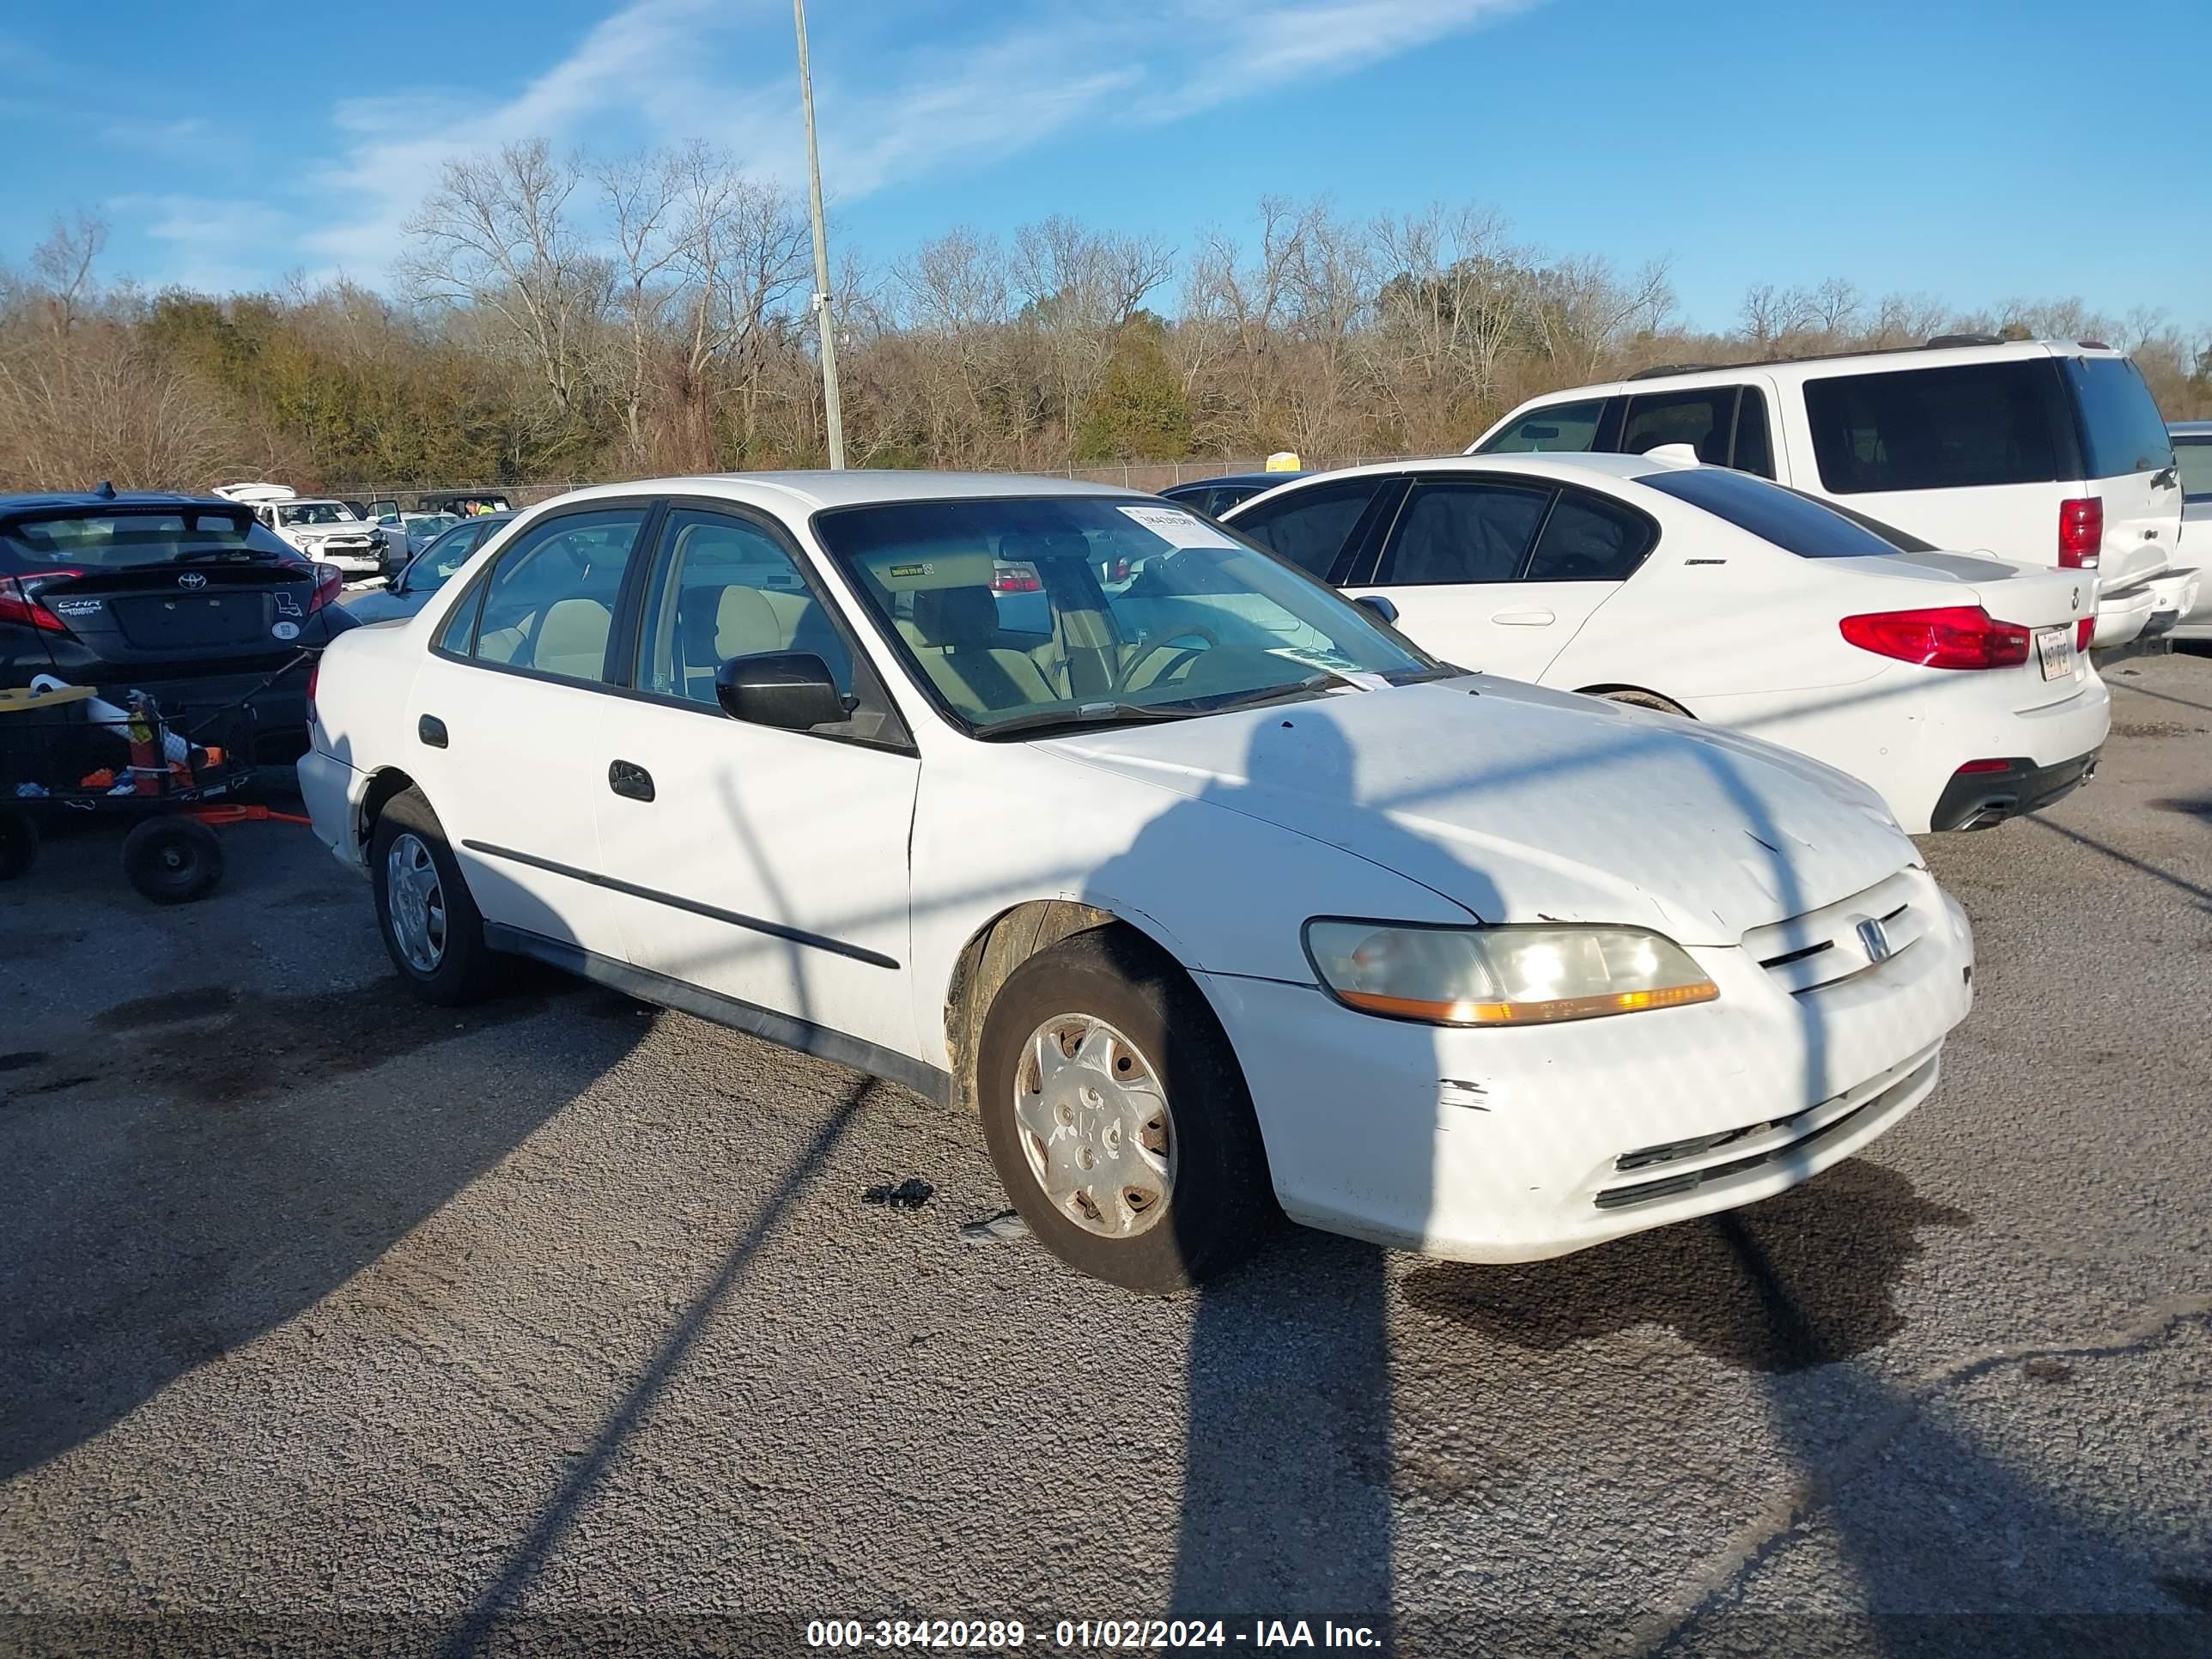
<point x="1324" y="681"/>
<point x="1090" y="714"/>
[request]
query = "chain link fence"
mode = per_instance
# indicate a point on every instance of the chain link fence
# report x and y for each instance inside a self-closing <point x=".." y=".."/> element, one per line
<point x="1134" y="475"/>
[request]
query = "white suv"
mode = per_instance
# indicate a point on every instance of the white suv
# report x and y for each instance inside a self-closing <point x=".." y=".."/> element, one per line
<point x="2049" y="451"/>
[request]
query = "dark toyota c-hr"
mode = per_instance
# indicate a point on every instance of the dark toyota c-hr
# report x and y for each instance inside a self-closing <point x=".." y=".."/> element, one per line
<point x="190" y="600"/>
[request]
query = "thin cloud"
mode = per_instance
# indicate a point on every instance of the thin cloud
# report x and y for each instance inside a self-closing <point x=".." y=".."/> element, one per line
<point x="670" y="69"/>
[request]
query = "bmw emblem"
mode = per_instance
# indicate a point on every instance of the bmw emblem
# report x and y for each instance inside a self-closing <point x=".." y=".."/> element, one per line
<point x="191" y="579"/>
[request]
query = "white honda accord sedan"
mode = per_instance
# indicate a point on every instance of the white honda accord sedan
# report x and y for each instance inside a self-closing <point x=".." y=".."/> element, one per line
<point x="1207" y="890"/>
<point x="1957" y="684"/>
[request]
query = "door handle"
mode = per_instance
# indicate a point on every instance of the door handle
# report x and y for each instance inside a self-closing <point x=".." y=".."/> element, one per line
<point x="1525" y="618"/>
<point x="629" y="780"/>
<point x="432" y="730"/>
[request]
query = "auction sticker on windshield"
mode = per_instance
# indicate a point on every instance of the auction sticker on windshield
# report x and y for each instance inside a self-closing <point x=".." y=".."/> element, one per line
<point x="1174" y="525"/>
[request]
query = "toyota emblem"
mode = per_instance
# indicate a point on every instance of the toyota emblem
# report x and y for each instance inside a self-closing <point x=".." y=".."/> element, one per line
<point x="191" y="579"/>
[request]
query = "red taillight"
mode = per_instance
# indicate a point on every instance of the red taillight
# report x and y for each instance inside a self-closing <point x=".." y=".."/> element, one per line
<point x="2081" y="532"/>
<point x="2085" y="629"/>
<point x="1015" y="578"/>
<point x="1986" y="766"/>
<point x="19" y="600"/>
<point x="314" y="674"/>
<point x="1952" y="636"/>
<point x="330" y="581"/>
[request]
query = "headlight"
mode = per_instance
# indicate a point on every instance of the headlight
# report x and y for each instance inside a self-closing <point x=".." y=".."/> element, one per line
<point x="1502" y="976"/>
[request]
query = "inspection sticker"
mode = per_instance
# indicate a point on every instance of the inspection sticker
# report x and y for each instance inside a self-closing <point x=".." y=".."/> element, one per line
<point x="1173" y="524"/>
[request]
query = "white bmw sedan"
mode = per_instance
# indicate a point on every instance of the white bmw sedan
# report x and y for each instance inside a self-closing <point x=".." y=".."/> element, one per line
<point x="1957" y="684"/>
<point x="1209" y="892"/>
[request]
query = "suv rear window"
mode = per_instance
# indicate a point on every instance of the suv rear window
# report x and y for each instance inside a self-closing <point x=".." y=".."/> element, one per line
<point x="1941" y="428"/>
<point x="2122" y="431"/>
<point x="1782" y="516"/>
<point x="116" y="540"/>
<point x="1563" y="427"/>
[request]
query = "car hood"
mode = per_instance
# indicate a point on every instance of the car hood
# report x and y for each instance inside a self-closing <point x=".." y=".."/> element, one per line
<point x="1524" y="804"/>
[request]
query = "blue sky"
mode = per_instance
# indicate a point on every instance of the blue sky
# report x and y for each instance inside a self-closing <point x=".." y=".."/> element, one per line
<point x="1972" y="151"/>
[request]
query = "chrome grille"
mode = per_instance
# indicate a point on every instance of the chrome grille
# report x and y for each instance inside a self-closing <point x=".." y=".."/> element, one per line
<point x="1840" y="941"/>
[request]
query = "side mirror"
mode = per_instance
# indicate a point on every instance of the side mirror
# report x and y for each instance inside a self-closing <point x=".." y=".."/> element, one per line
<point x="791" y="690"/>
<point x="1381" y="606"/>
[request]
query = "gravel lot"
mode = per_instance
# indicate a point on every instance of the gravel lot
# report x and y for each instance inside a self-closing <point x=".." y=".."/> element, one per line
<point x="328" y="1320"/>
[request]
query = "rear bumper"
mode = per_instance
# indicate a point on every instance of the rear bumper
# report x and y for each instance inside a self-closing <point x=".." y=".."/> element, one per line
<point x="2182" y="600"/>
<point x="333" y="792"/>
<point x="2121" y="617"/>
<point x="1980" y="800"/>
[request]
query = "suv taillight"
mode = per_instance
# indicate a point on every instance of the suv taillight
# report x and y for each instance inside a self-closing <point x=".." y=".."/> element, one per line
<point x="2081" y="532"/>
<point x="1950" y="637"/>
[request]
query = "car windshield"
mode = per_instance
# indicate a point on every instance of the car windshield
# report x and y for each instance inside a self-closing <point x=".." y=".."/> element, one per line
<point x="117" y="540"/>
<point x="1100" y="608"/>
<point x="1789" y="520"/>
<point x="314" y="513"/>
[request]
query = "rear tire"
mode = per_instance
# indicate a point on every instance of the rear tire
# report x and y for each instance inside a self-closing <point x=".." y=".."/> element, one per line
<point x="1646" y="700"/>
<point x="173" y="860"/>
<point x="431" y="927"/>
<point x="1141" y="1161"/>
<point x="19" y="842"/>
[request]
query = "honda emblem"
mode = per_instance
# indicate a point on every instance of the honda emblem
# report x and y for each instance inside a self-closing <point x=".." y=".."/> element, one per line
<point x="191" y="579"/>
<point x="1875" y="938"/>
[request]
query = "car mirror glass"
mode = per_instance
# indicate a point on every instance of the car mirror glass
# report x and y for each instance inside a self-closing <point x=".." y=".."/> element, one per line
<point x="1381" y="606"/>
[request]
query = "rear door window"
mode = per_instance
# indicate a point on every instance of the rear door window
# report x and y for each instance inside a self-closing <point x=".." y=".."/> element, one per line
<point x="1962" y="427"/>
<point x="1700" y="418"/>
<point x="1789" y="520"/>
<point x="1311" y="527"/>
<point x="1453" y="531"/>
<point x="1589" y="539"/>
<point x="2194" y="457"/>
<point x="1754" y="451"/>
<point x="549" y="604"/>
<point x="2122" y="431"/>
<point x="1570" y="428"/>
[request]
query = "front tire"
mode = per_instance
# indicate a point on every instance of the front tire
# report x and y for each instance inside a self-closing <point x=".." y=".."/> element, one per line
<point x="1650" y="700"/>
<point x="1118" y="1118"/>
<point x="431" y="927"/>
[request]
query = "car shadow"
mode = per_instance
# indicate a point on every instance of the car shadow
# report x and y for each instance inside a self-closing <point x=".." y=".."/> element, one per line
<point x="183" y="1170"/>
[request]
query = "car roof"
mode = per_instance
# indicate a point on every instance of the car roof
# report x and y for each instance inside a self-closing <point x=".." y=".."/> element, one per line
<point x="87" y="501"/>
<point x="1243" y="478"/>
<point x="1538" y="464"/>
<point x="1945" y="352"/>
<point x="864" y="486"/>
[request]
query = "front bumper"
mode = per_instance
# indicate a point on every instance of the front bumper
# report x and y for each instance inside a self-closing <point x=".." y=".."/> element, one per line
<point x="1981" y="800"/>
<point x="1512" y="1145"/>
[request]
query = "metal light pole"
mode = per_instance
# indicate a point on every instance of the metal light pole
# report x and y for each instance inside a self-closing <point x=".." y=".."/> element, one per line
<point x="833" y="409"/>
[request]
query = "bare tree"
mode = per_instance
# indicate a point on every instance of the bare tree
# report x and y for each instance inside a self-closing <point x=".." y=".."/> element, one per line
<point x="497" y="236"/>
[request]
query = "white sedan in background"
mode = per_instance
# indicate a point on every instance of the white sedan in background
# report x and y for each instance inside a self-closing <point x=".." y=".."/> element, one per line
<point x="1209" y="892"/>
<point x="1956" y="684"/>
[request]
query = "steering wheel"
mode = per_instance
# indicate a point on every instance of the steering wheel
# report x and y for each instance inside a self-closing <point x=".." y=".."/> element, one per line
<point x="1166" y="642"/>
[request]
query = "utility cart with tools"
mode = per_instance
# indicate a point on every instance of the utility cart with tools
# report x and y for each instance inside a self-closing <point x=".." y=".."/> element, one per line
<point x="65" y="750"/>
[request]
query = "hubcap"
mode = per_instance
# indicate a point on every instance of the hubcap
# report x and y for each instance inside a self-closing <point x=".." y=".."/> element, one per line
<point x="414" y="903"/>
<point x="1094" y="1126"/>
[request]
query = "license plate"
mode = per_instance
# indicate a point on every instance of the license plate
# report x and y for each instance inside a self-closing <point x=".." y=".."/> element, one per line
<point x="2054" y="646"/>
